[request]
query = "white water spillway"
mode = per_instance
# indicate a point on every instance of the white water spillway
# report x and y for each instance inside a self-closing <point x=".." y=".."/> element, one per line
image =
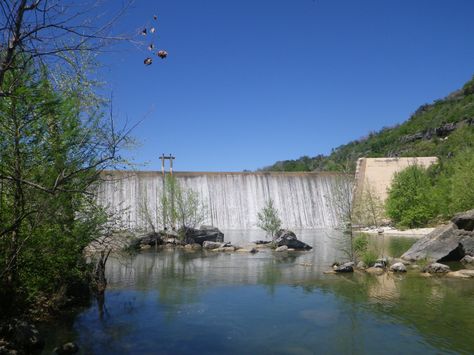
<point x="233" y="199"/>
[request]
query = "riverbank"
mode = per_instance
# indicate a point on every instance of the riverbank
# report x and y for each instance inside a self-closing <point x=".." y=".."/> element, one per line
<point x="393" y="232"/>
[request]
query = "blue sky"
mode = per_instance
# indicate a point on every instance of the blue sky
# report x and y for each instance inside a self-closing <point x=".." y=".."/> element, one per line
<point x="250" y="82"/>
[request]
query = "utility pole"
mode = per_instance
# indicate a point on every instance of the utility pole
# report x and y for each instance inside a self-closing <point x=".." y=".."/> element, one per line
<point x="163" y="158"/>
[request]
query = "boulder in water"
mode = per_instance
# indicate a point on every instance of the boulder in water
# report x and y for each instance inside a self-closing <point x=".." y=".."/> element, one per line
<point x="148" y="240"/>
<point x="398" y="267"/>
<point x="288" y="238"/>
<point x="203" y="234"/>
<point x="344" y="268"/>
<point x="436" y="268"/>
<point x="282" y="248"/>
<point x="449" y="242"/>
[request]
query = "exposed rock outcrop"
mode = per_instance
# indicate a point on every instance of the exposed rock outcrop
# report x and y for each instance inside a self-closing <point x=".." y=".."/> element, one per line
<point x="446" y="243"/>
<point x="288" y="238"/>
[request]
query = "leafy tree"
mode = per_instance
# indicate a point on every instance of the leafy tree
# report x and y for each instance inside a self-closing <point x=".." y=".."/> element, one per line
<point x="53" y="147"/>
<point x="268" y="218"/>
<point x="410" y="202"/>
<point x="177" y="208"/>
<point x="368" y="207"/>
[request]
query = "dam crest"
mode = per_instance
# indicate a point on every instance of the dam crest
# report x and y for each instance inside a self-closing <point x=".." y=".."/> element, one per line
<point x="233" y="200"/>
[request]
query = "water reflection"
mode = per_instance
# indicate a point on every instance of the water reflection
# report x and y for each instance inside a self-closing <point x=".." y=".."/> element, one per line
<point x="187" y="303"/>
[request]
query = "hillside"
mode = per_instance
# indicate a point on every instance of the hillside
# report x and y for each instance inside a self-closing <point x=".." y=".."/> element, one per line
<point x="441" y="129"/>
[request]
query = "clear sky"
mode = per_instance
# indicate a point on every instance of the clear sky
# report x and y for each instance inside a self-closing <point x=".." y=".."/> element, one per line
<point x="250" y="82"/>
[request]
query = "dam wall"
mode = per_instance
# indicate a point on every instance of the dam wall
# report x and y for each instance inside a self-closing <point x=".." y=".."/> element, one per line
<point x="376" y="174"/>
<point x="232" y="199"/>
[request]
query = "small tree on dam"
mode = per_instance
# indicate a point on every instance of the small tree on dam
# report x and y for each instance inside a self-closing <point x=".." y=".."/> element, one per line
<point x="268" y="219"/>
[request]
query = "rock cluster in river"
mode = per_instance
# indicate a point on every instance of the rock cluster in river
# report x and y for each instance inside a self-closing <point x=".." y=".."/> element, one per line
<point x="450" y="242"/>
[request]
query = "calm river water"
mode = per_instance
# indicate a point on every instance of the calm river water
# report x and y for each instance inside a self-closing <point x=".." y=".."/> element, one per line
<point x="177" y="302"/>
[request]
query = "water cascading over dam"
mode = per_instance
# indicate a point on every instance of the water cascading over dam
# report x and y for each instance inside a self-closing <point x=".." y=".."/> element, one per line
<point x="233" y="199"/>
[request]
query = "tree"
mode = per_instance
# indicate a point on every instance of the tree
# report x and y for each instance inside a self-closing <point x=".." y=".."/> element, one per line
<point x="53" y="148"/>
<point x="178" y="207"/>
<point x="410" y="203"/>
<point x="268" y="218"/>
<point x="342" y="201"/>
<point x="52" y="33"/>
<point x="368" y="207"/>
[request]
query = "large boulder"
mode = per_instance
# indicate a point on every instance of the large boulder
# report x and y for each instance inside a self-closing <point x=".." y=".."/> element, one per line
<point x="148" y="240"/>
<point x="288" y="238"/>
<point x="464" y="220"/>
<point x="398" y="267"/>
<point x="203" y="234"/>
<point x="449" y="242"/>
<point x="344" y="268"/>
<point x="436" y="268"/>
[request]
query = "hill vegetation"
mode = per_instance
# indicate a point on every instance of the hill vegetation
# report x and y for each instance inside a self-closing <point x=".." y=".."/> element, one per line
<point x="443" y="128"/>
<point x="418" y="197"/>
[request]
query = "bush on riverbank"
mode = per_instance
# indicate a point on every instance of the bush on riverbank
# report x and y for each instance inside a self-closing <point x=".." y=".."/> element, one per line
<point x="419" y="197"/>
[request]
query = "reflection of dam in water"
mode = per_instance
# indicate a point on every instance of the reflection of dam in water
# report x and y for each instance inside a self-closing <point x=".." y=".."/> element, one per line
<point x="233" y="199"/>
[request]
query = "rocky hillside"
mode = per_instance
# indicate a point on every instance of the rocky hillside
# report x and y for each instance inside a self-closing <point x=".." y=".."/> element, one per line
<point x="441" y="129"/>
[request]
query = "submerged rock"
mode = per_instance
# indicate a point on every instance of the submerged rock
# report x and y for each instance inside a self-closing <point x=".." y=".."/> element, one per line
<point x="211" y="245"/>
<point x="450" y="242"/>
<point x="288" y="238"/>
<point x="398" y="267"/>
<point x="375" y="270"/>
<point x="436" y="268"/>
<point x="461" y="274"/>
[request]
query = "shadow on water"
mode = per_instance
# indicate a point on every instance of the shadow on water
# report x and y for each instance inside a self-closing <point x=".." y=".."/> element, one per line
<point x="177" y="302"/>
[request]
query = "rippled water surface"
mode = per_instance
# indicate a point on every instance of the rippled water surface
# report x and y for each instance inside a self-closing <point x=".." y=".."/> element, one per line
<point x="177" y="302"/>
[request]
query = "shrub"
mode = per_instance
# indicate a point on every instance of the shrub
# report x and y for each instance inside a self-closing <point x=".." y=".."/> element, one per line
<point x="268" y="218"/>
<point x="369" y="257"/>
<point x="410" y="203"/>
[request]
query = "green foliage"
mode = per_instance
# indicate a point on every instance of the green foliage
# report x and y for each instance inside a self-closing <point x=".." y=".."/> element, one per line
<point x="396" y="141"/>
<point x="178" y="207"/>
<point x="53" y="144"/>
<point x="361" y="242"/>
<point x="369" y="257"/>
<point x="268" y="218"/>
<point x="410" y="203"/>
<point x="462" y="183"/>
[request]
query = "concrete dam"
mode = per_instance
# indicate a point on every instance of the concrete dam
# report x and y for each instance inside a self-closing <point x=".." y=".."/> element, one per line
<point x="232" y="199"/>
